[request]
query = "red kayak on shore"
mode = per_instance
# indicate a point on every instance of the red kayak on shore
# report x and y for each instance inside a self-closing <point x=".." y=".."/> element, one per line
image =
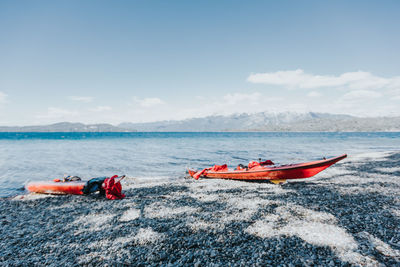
<point x="73" y="185"/>
<point x="264" y="171"/>
<point x="50" y="187"/>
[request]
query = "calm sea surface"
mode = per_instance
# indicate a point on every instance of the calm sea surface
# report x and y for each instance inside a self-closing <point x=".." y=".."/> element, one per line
<point x="44" y="156"/>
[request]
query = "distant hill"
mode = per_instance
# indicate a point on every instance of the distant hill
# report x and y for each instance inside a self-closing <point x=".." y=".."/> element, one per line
<point x="275" y="122"/>
<point x="237" y="122"/>
<point x="263" y="121"/>
<point x="65" y="127"/>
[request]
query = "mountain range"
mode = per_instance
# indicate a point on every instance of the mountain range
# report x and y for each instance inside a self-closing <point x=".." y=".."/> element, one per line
<point x="65" y="127"/>
<point x="262" y="121"/>
<point x="273" y="122"/>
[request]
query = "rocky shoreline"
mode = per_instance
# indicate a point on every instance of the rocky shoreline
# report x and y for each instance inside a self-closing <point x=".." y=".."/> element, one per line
<point x="347" y="215"/>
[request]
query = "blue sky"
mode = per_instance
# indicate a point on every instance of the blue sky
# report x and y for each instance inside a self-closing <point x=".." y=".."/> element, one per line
<point x="116" y="61"/>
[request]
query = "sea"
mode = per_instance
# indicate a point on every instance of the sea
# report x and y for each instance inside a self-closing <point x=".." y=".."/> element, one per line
<point x="166" y="155"/>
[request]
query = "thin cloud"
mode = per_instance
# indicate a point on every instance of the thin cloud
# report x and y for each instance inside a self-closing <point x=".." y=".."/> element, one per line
<point x="360" y="103"/>
<point x="314" y="94"/>
<point x="361" y="95"/>
<point x="100" y="108"/>
<point x="395" y="93"/>
<point x="231" y="103"/>
<point x="148" y="102"/>
<point x="3" y="97"/>
<point x="57" y="113"/>
<point x="83" y="99"/>
<point x="359" y="80"/>
<point x="237" y="98"/>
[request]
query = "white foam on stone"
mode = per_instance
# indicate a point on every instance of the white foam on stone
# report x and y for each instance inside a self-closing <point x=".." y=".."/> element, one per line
<point x="263" y="229"/>
<point x="92" y="222"/>
<point x="368" y="183"/>
<point x="176" y="195"/>
<point x="364" y="183"/>
<point x="204" y="197"/>
<point x="93" y="255"/>
<point x="252" y="203"/>
<point x="350" y="179"/>
<point x="123" y="240"/>
<point x="395" y="212"/>
<point x="102" y="243"/>
<point x="212" y="185"/>
<point x="105" y="244"/>
<point x="377" y="244"/>
<point x="241" y="209"/>
<point x="130" y="215"/>
<point x="148" y="236"/>
<point x="317" y="228"/>
<point x="61" y="207"/>
<point x="288" y="212"/>
<point x="376" y="156"/>
<point x="321" y="234"/>
<point x="162" y="211"/>
<point x="198" y="225"/>
<point x="242" y="216"/>
<point x="389" y="170"/>
<point x="333" y="173"/>
<point x="142" y="182"/>
<point x="32" y="196"/>
<point x="357" y="259"/>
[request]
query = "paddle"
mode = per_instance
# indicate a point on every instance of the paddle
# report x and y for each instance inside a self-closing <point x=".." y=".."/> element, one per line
<point x="120" y="179"/>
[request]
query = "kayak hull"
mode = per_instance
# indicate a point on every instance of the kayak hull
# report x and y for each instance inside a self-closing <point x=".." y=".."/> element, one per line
<point x="58" y="188"/>
<point x="285" y="172"/>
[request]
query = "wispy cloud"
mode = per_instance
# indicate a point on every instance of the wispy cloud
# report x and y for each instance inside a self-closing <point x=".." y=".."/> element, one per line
<point x="100" y="108"/>
<point x="57" y="113"/>
<point x="361" y="95"/>
<point x="314" y="94"/>
<point x="148" y="102"/>
<point x="3" y="97"/>
<point x="84" y="99"/>
<point x="231" y="103"/>
<point x="237" y="98"/>
<point x="292" y="79"/>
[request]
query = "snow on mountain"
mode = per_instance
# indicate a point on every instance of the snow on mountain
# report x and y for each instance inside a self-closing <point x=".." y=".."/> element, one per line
<point x="263" y="121"/>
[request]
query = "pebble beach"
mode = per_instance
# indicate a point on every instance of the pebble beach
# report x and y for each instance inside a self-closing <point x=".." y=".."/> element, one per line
<point x="348" y="215"/>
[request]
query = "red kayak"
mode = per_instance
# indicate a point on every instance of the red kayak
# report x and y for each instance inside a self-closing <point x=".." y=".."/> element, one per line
<point x="259" y="171"/>
<point x="48" y="187"/>
<point x="73" y="185"/>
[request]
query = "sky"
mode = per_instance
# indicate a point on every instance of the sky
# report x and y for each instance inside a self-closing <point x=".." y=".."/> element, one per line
<point x="140" y="61"/>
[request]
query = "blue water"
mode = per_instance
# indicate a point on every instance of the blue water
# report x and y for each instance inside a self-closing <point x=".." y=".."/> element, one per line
<point x="44" y="156"/>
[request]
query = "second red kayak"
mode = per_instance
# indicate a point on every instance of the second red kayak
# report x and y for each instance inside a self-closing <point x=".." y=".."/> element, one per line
<point x="275" y="174"/>
<point x="50" y="187"/>
<point x="73" y="185"/>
